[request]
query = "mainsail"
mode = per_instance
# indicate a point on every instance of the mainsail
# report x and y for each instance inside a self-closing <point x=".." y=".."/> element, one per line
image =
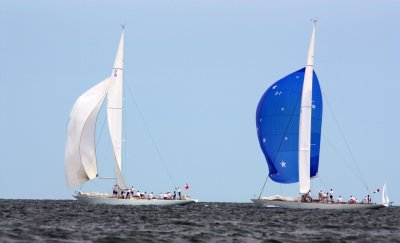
<point x="280" y="130"/>
<point x="80" y="151"/>
<point x="114" y="110"/>
<point x="305" y="120"/>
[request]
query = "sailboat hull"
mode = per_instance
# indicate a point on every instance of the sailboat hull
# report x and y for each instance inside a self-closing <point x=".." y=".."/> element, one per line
<point x="132" y="202"/>
<point x="314" y="205"/>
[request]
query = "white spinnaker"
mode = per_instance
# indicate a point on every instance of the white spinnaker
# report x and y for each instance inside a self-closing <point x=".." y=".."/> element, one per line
<point x="80" y="151"/>
<point x="114" y="110"/>
<point x="305" y="121"/>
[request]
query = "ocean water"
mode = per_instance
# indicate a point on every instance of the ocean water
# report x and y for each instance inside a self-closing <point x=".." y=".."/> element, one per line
<point x="71" y="221"/>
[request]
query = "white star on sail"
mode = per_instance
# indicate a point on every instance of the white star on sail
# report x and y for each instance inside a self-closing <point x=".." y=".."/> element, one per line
<point x="286" y="138"/>
<point x="283" y="164"/>
<point x="297" y="77"/>
<point x="264" y="140"/>
<point x="314" y="106"/>
<point x="275" y="86"/>
<point x="283" y="108"/>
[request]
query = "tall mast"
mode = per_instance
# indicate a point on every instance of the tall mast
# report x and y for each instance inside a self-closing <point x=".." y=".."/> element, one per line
<point x="305" y="120"/>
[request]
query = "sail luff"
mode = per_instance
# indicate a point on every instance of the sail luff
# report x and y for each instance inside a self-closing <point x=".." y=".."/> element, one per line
<point x="305" y="121"/>
<point x="114" y="110"/>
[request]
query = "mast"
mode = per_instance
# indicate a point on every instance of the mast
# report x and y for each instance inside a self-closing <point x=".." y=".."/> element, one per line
<point x="305" y="119"/>
<point x="114" y="109"/>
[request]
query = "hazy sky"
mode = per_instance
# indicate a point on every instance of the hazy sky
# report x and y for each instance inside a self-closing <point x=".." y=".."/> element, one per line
<point x="197" y="70"/>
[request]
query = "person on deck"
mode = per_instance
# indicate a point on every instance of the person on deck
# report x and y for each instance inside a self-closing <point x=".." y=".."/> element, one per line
<point x="138" y="194"/>
<point x="331" y="195"/>
<point x="340" y="199"/>
<point x="308" y="197"/>
<point x="320" y="195"/>
<point x="179" y="193"/>
<point x="174" y="196"/>
<point x="166" y="196"/>
<point x="115" y="191"/>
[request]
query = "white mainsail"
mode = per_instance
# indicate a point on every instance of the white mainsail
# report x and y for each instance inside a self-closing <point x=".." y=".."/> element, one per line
<point x="305" y="121"/>
<point x="80" y="150"/>
<point x="114" y="110"/>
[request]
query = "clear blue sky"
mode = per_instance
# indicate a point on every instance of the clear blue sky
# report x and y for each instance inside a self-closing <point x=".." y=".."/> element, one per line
<point x="198" y="70"/>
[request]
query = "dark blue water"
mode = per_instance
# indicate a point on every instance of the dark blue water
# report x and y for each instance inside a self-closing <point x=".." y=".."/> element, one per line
<point x="71" y="221"/>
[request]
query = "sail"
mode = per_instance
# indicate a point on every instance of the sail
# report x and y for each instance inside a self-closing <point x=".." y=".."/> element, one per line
<point x="385" y="197"/>
<point x="80" y="152"/>
<point x="114" y="110"/>
<point x="278" y="121"/>
<point x="305" y="120"/>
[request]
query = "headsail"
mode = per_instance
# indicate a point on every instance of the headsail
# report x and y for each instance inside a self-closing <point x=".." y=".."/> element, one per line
<point x="278" y="118"/>
<point x="114" y="110"/>
<point x="278" y="125"/>
<point x="80" y="151"/>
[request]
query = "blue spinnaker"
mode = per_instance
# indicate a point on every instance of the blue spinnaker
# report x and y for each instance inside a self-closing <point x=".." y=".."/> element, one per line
<point x="277" y="119"/>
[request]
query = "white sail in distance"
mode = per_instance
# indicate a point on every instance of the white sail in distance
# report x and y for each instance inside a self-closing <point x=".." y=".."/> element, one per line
<point x="305" y="120"/>
<point x="114" y="110"/>
<point x="80" y="151"/>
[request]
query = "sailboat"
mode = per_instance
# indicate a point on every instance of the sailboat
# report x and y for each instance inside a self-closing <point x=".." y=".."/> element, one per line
<point x="288" y="120"/>
<point x="80" y="152"/>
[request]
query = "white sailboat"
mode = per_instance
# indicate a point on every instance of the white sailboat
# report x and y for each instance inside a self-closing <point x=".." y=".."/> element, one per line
<point x="80" y="152"/>
<point x="289" y="118"/>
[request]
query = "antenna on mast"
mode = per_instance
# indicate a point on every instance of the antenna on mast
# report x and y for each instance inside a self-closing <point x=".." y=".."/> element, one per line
<point x="123" y="25"/>
<point x="315" y="20"/>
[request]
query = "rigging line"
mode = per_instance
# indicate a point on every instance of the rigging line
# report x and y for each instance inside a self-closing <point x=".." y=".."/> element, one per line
<point x="124" y="138"/>
<point x="322" y="182"/>
<point x="345" y="141"/>
<point x="343" y="159"/>
<point x="98" y="185"/>
<point x="259" y="197"/>
<point x="151" y="136"/>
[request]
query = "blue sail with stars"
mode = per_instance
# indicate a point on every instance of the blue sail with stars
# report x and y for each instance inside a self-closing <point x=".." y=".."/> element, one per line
<point x="278" y="118"/>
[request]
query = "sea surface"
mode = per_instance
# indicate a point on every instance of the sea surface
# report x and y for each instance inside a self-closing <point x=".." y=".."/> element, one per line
<point x="71" y="221"/>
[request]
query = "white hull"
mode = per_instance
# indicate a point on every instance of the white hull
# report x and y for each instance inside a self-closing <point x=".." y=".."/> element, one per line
<point x="314" y="205"/>
<point x="131" y="202"/>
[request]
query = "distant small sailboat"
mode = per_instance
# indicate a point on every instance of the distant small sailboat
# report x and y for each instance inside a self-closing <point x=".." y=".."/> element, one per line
<point x="289" y="119"/>
<point x="80" y="152"/>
